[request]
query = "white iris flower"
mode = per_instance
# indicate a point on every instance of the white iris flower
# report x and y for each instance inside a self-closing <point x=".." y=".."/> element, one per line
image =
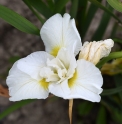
<point x="56" y="71"/>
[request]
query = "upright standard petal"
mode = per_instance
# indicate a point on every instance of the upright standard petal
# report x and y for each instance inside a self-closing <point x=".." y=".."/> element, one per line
<point x="58" y="32"/>
<point x="86" y="82"/>
<point x="23" y="86"/>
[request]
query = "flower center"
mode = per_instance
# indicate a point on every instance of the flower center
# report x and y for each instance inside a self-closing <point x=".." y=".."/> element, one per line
<point x="44" y="84"/>
<point x="54" y="72"/>
<point x="72" y="80"/>
<point x="55" y="50"/>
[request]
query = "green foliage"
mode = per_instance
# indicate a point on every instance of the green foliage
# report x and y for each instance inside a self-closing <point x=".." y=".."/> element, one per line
<point x="117" y="115"/>
<point x="41" y="7"/>
<point x="14" y="59"/>
<point x="74" y="8"/>
<point x="102" y="26"/>
<point x="35" y="13"/>
<point x="95" y="2"/>
<point x="111" y="56"/>
<point x="18" y="21"/>
<point x="114" y="108"/>
<point x="117" y="40"/>
<point x="116" y="4"/>
<point x="81" y="15"/>
<point x="101" y="118"/>
<point x="112" y="91"/>
<point x="59" y="5"/>
<point x="14" y="107"/>
<point x="118" y="81"/>
<point x="51" y="4"/>
<point x="89" y="16"/>
<point x="84" y="108"/>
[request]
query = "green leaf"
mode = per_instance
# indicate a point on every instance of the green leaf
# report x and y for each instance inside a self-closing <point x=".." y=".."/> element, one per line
<point x="117" y="116"/>
<point x="114" y="30"/>
<point x="112" y="91"/>
<point x="74" y="8"/>
<point x="41" y="7"/>
<point x="111" y="56"/>
<point x="98" y="4"/>
<point x="59" y="5"/>
<point x="51" y="5"/>
<point x="13" y="59"/>
<point x="101" y="117"/>
<point x="117" y="40"/>
<point x="35" y="13"/>
<point x="17" y="21"/>
<point x="102" y="26"/>
<point x="90" y="14"/>
<point x="14" y="107"/>
<point x="118" y="81"/>
<point x="111" y="102"/>
<point x="84" y="108"/>
<point x="116" y="4"/>
<point x="81" y="14"/>
<point x="115" y="109"/>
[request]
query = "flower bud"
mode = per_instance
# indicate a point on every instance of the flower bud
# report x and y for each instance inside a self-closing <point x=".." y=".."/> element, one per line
<point x="94" y="51"/>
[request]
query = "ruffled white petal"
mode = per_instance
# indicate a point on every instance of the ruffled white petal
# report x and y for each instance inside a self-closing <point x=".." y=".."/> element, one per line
<point x="59" y="89"/>
<point x="86" y="83"/>
<point x="48" y="74"/>
<point x="68" y="59"/>
<point x="33" y="63"/>
<point x="23" y="86"/>
<point x="58" y="32"/>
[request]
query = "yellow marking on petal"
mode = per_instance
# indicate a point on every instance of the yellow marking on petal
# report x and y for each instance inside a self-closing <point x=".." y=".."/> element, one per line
<point x="55" y="50"/>
<point x="72" y="80"/>
<point x="44" y="84"/>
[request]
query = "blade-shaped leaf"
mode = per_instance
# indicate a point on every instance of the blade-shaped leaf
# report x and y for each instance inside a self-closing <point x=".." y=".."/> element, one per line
<point x="35" y="13"/>
<point x="17" y="21"/>
<point x="114" y="30"/>
<point x="41" y="7"/>
<point x="13" y="59"/>
<point x="85" y="107"/>
<point x="112" y="91"/>
<point x="89" y="16"/>
<point x="117" y="115"/>
<point x="74" y="8"/>
<point x="114" y="108"/>
<point x="95" y="2"/>
<point x="111" y="56"/>
<point x="117" y="40"/>
<point x="81" y="14"/>
<point x="51" y="5"/>
<point x="111" y="102"/>
<point x="116" y="4"/>
<point x="118" y="81"/>
<point x="59" y="5"/>
<point x="101" y="117"/>
<point x="14" y="107"/>
<point x="102" y="26"/>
